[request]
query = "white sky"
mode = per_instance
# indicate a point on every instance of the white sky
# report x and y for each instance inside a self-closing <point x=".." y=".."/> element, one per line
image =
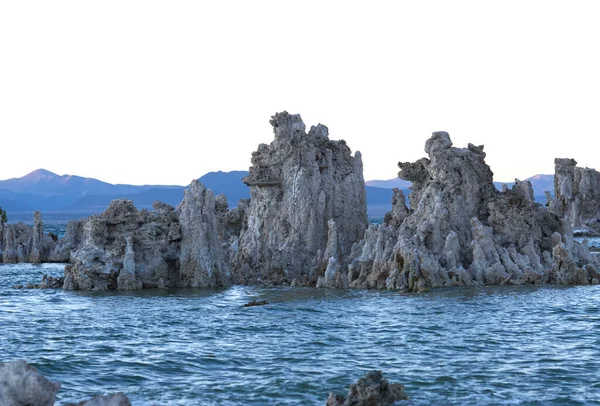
<point x="164" y="91"/>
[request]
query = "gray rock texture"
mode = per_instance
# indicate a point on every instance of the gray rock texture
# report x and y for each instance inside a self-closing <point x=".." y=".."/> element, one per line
<point x="461" y="231"/>
<point x="71" y="241"/>
<point x="23" y="243"/>
<point x="305" y="189"/>
<point x="577" y="194"/>
<point x="370" y="390"/>
<point x="126" y="249"/>
<point x="9" y="248"/>
<point x="306" y="225"/>
<point x="203" y="260"/>
<point x="37" y="239"/>
<point x="22" y="385"/>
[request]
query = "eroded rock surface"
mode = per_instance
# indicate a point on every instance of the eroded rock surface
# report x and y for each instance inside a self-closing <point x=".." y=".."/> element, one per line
<point x="370" y="390"/>
<point x="124" y="248"/>
<point x="70" y="242"/>
<point x="127" y="249"/>
<point x="461" y="231"/>
<point x="203" y="260"/>
<point x="37" y="239"/>
<point x="23" y="243"/>
<point x="305" y="190"/>
<point x="22" y="385"/>
<point x="577" y="194"/>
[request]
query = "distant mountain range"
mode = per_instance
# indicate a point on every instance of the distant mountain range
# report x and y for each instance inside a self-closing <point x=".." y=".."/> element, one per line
<point x="389" y="183"/>
<point x="76" y="196"/>
<point x="540" y="184"/>
<point x="67" y="196"/>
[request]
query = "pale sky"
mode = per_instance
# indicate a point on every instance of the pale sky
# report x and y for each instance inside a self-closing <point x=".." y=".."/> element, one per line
<point x="161" y="92"/>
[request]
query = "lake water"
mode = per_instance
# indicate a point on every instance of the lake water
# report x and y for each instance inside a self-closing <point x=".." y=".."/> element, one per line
<point x="504" y="345"/>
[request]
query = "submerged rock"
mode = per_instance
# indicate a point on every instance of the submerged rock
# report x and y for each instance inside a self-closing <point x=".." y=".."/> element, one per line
<point x="117" y="399"/>
<point x="302" y="186"/>
<point x="48" y="282"/>
<point x="22" y="385"/>
<point x="370" y="390"/>
<point x="255" y="302"/>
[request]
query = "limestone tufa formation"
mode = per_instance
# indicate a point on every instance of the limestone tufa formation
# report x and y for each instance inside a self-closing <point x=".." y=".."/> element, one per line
<point x="127" y="249"/>
<point x="23" y="243"/>
<point x="307" y="208"/>
<point x="203" y="258"/>
<point x="37" y="239"/>
<point x="70" y="242"/>
<point x="461" y="231"/>
<point x="306" y="225"/>
<point x="577" y="194"/>
<point x="124" y="248"/>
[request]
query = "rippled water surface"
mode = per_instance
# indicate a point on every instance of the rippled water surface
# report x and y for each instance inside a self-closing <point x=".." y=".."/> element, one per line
<point x="506" y="345"/>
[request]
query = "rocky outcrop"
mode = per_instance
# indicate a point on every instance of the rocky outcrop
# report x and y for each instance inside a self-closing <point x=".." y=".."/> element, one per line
<point x="369" y="268"/>
<point x="577" y="194"/>
<point x="125" y="249"/>
<point x="305" y="189"/>
<point x="23" y="243"/>
<point x="10" y="253"/>
<point x="127" y="279"/>
<point x="37" y="239"/>
<point x="71" y="241"/>
<point x="231" y="223"/>
<point x="461" y="231"/>
<point x="306" y="225"/>
<point x="372" y="389"/>
<point x="22" y="385"/>
<point x="202" y="259"/>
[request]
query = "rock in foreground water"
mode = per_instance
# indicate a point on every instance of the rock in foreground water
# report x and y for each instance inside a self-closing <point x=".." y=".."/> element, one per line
<point x="22" y="385"/>
<point x="371" y="390"/>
